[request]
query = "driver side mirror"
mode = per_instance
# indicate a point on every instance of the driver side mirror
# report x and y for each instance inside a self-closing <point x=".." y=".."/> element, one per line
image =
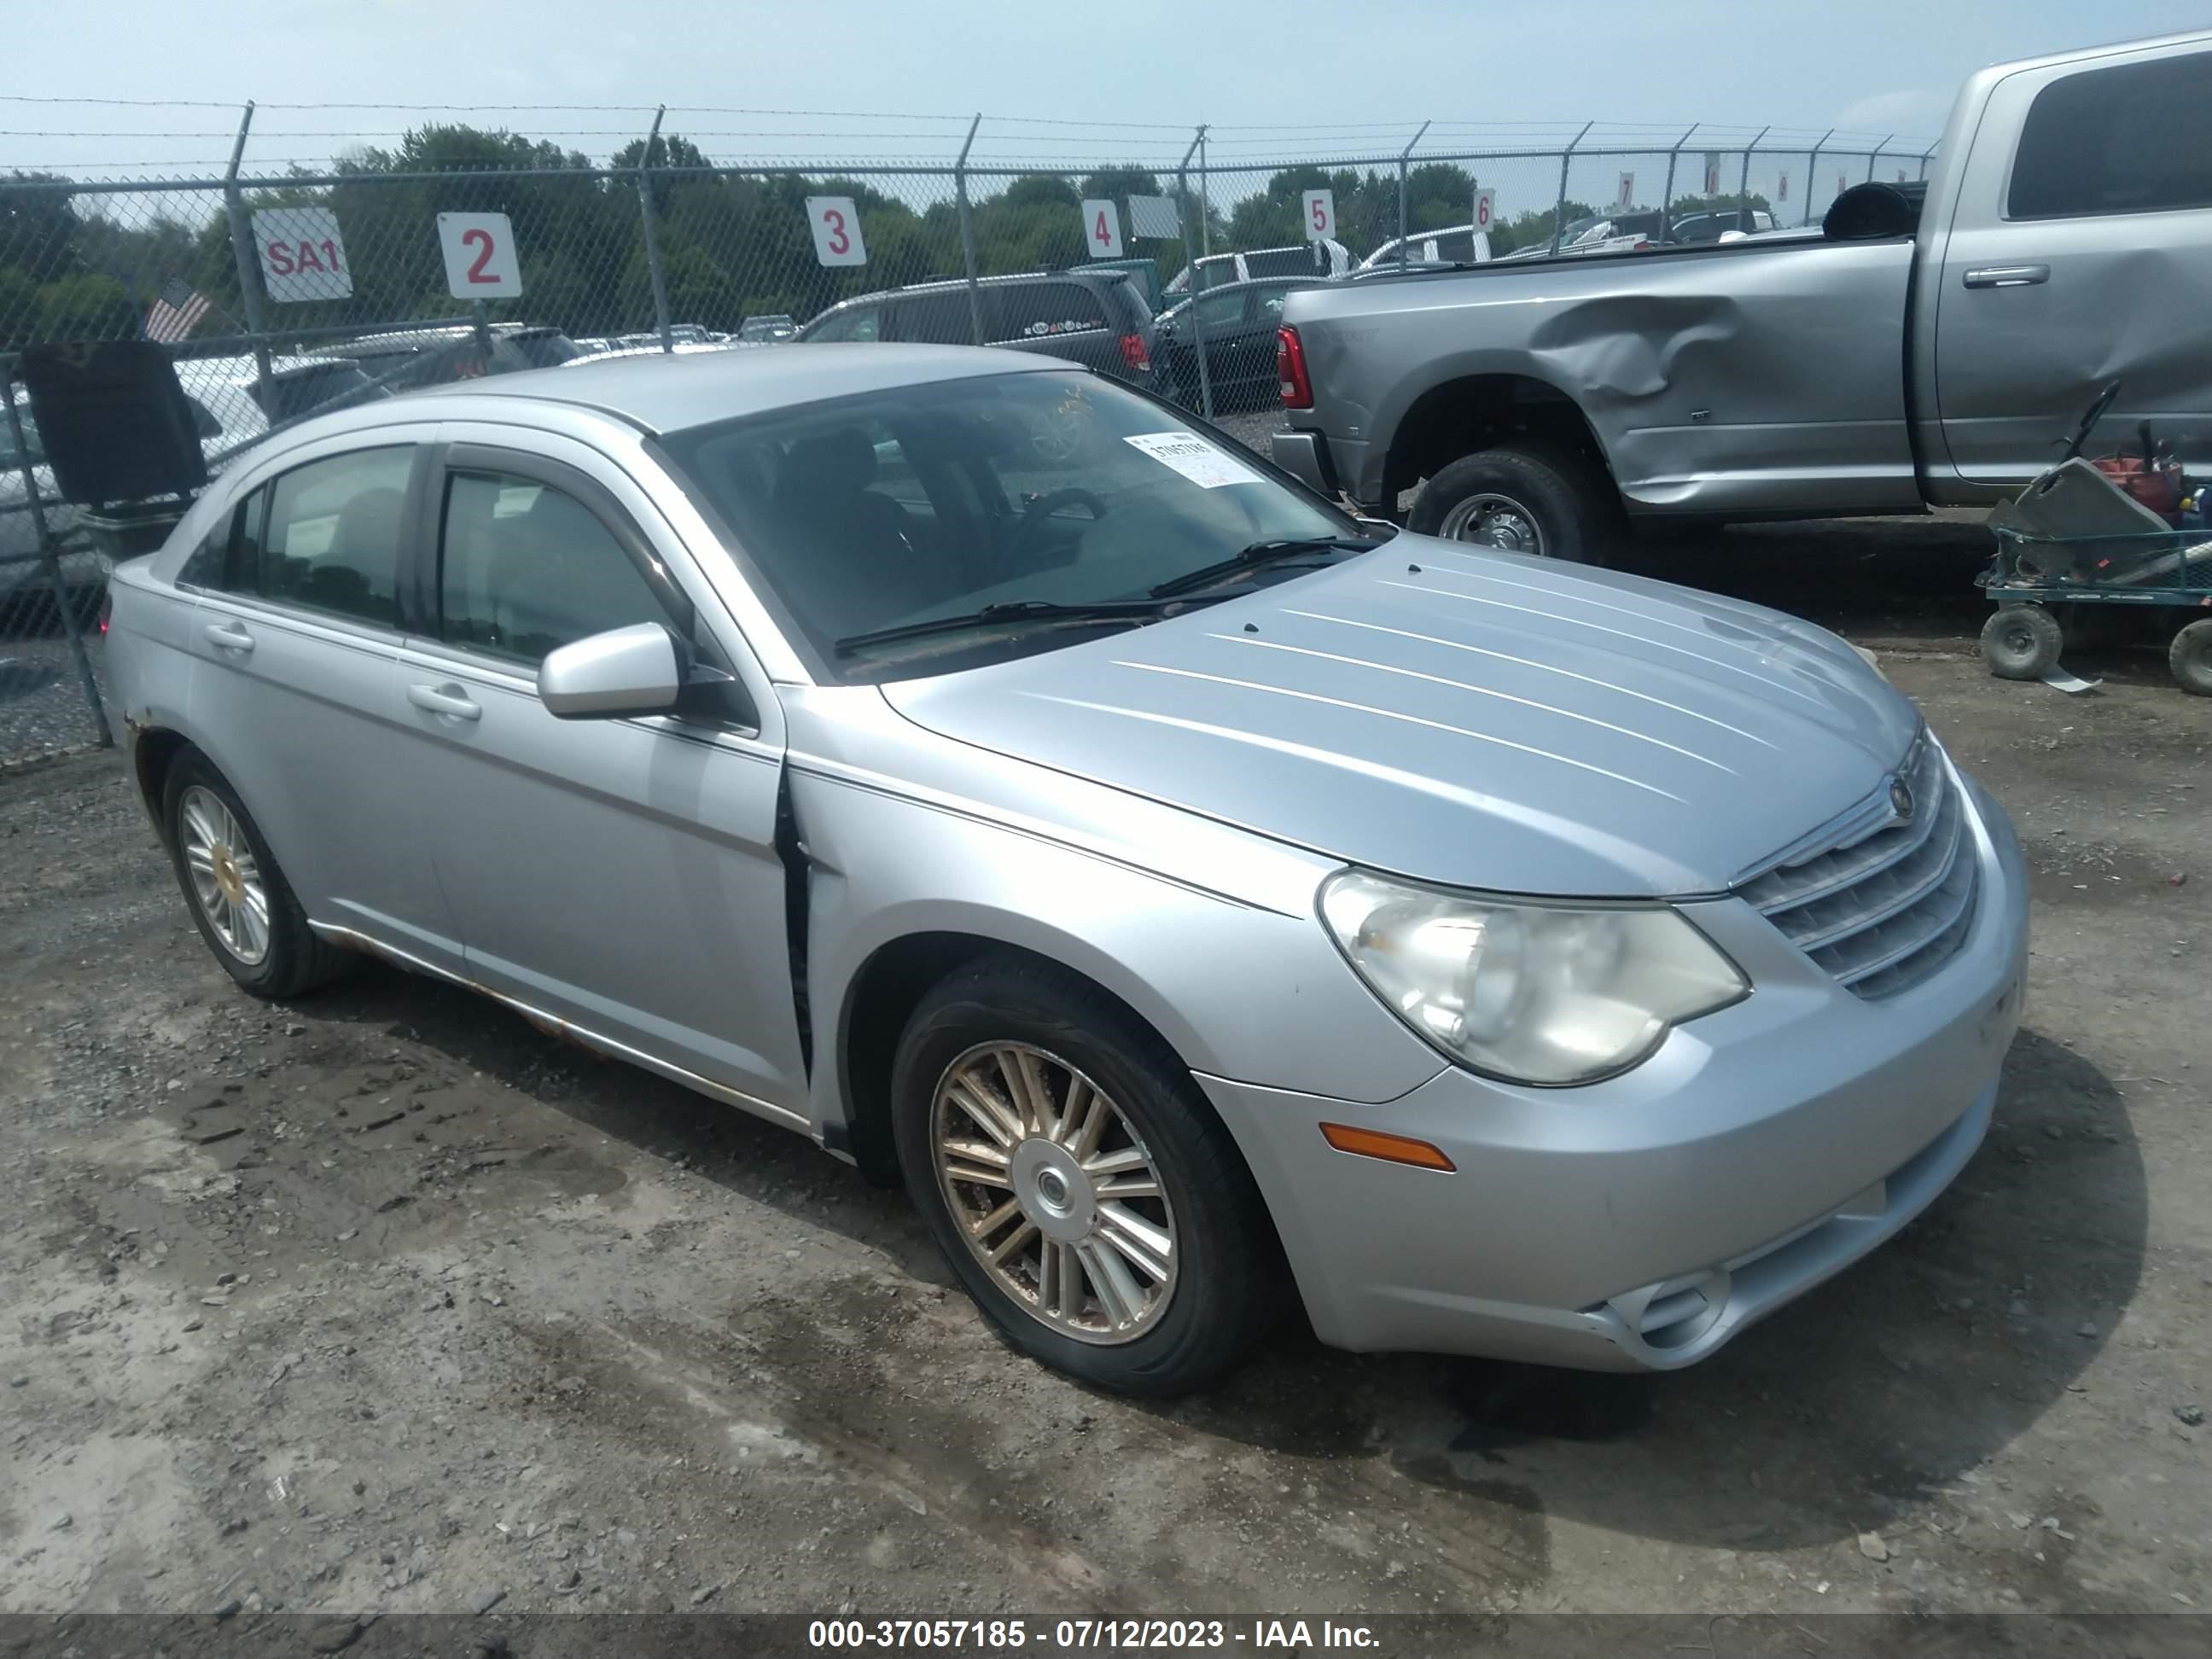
<point x="625" y="671"/>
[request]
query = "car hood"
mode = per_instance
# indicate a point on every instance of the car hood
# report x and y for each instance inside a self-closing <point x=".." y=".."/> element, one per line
<point x="1464" y="717"/>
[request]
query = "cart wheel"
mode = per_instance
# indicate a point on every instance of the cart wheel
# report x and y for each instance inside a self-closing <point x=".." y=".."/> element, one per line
<point x="2190" y="656"/>
<point x="2021" y="642"/>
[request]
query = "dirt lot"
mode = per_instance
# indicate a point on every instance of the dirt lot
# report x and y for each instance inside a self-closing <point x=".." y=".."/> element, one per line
<point x="388" y="1302"/>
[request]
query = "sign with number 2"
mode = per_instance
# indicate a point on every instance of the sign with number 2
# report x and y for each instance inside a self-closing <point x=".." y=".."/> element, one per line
<point x="836" y="226"/>
<point x="1101" y="230"/>
<point x="479" y="250"/>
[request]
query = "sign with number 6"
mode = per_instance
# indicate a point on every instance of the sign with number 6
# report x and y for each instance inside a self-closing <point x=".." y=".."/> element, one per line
<point x="1101" y="230"/>
<point x="1321" y="215"/>
<point x="479" y="250"/>
<point x="836" y="223"/>
<point x="1485" y="210"/>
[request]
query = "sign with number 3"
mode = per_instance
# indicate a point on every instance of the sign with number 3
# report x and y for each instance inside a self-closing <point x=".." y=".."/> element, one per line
<point x="836" y="226"/>
<point x="479" y="250"/>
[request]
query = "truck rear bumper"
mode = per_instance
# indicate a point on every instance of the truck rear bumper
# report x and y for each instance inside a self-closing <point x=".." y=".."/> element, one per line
<point x="1305" y="456"/>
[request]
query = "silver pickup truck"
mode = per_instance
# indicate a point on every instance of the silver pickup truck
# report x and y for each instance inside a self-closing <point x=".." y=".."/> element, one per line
<point x="1925" y="350"/>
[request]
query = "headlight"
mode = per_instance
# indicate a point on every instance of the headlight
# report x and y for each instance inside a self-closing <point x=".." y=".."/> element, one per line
<point x="1531" y="993"/>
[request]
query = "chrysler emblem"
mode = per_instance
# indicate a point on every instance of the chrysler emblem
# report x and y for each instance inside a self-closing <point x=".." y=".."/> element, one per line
<point x="1900" y="799"/>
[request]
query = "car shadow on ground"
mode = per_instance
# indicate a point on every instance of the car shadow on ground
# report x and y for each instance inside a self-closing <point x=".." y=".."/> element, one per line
<point x="1881" y="1387"/>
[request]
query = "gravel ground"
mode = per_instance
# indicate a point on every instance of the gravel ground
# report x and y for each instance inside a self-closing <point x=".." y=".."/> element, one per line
<point x="42" y="705"/>
<point x="387" y="1301"/>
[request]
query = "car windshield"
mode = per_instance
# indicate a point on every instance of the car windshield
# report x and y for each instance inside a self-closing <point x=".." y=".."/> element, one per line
<point x="935" y="500"/>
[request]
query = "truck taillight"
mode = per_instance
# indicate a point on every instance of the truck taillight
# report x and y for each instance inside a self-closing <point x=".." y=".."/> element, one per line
<point x="107" y="607"/>
<point x="1134" y="357"/>
<point x="1290" y="370"/>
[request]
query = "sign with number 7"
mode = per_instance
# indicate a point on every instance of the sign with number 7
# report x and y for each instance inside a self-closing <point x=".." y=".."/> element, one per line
<point x="836" y="223"/>
<point x="479" y="250"/>
<point x="1101" y="230"/>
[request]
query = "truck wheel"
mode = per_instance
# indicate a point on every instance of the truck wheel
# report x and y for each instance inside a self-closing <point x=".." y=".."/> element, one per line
<point x="1537" y="498"/>
<point x="2021" y="642"/>
<point x="2190" y="658"/>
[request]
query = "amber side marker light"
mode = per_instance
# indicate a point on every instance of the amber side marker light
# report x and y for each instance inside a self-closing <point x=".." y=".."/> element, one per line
<point x="1391" y="1149"/>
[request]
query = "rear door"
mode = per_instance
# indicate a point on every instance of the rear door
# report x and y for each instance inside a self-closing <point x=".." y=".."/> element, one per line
<point x="2080" y="255"/>
<point x="1059" y="318"/>
<point x="617" y="875"/>
<point x="296" y="638"/>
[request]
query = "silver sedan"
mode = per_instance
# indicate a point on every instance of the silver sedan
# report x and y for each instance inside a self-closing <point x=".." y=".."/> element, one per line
<point x="1201" y="900"/>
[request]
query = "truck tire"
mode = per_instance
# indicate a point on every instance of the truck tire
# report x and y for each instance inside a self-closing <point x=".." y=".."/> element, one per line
<point x="1534" y="497"/>
<point x="2021" y="642"/>
<point x="2190" y="656"/>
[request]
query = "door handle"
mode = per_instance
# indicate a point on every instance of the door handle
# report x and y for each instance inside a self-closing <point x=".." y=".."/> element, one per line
<point x="2008" y="276"/>
<point x="447" y="699"/>
<point x="230" y="636"/>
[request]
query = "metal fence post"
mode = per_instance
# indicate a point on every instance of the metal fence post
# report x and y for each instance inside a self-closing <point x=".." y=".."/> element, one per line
<point x="646" y="215"/>
<point x="1876" y="157"/>
<point x="1667" y="196"/>
<point x="1204" y="206"/>
<point x="1743" y="179"/>
<point x="1559" y="207"/>
<point x="1402" y="154"/>
<point x="52" y="562"/>
<point x="1813" y="172"/>
<point x="241" y="250"/>
<point x="967" y="233"/>
<point x="1926" y="155"/>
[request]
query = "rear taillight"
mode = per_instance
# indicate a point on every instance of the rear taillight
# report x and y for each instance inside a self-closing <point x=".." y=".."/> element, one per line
<point x="1134" y="357"/>
<point x="1290" y="370"/>
<point x="107" y="607"/>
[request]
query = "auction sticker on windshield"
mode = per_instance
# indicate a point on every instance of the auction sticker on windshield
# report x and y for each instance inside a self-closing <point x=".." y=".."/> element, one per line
<point x="1195" y="459"/>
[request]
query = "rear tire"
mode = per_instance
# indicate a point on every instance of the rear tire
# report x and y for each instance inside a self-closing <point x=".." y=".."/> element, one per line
<point x="2022" y="642"/>
<point x="238" y="897"/>
<point x="1214" y="1286"/>
<point x="1531" y="497"/>
<point x="2190" y="656"/>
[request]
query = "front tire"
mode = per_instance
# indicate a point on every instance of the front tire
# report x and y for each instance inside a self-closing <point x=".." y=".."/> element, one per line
<point x="1078" y="1183"/>
<point x="239" y="900"/>
<point x="1530" y="497"/>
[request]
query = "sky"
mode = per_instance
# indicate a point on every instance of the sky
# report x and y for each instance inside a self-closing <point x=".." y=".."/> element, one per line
<point x="1080" y="84"/>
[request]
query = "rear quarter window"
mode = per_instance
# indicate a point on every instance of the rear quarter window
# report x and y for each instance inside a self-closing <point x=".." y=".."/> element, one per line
<point x="2135" y="138"/>
<point x="1045" y="311"/>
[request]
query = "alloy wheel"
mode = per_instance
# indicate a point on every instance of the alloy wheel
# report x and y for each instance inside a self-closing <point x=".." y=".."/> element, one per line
<point x="226" y="877"/>
<point x="1055" y="1192"/>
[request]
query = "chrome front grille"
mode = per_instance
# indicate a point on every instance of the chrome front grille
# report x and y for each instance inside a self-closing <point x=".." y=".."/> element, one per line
<point x="1890" y="903"/>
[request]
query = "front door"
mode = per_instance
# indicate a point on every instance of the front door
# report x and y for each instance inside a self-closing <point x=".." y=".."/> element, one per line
<point x="2080" y="257"/>
<point x="617" y="875"/>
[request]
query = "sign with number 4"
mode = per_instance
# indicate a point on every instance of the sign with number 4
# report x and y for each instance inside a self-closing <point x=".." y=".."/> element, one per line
<point x="1101" y="230"/>
<point x="1485" y="210"/>
<point x="1321" y="215"/>
<point x="836" y="226"/>
<point x="479" y="250"/>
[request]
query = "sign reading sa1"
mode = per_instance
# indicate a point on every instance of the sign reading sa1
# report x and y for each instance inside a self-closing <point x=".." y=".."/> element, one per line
<point x="1321" y="215"/>
<point x="302" y="256"/>
<point x="836" y="222"/>
<point x="479" y="250"/>
<point x="1101" y="230"/>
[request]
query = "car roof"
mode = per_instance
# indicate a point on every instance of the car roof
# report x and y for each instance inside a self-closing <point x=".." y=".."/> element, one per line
<point x="666" y="393"/>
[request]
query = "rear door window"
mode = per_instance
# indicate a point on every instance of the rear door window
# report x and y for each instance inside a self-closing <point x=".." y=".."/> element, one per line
<point x="333" y="535"/>
<point x="2136" y="138"/>
<point x="861" y="323"/>
<point x="940" y="319"/>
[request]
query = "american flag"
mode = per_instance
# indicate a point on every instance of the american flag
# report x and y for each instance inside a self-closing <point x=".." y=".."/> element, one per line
<point x="176" y="314"/>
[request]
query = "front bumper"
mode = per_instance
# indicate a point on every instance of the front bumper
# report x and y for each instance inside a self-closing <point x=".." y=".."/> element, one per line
<point x="1640" y="1223"/>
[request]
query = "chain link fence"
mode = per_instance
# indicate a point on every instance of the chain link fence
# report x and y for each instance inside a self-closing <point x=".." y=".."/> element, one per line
<point x="282" y="293"/>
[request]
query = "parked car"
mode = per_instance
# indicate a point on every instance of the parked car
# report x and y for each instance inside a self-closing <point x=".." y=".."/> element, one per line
<point x="1327" y="259"/>
<point x="1451" y="244"/>
<point x="1712" y="227"/>
<point x="766" y="328"/>
<point x="441" y="355"/>
<point x="1921" y="352"/>
<point x="1098" y="319"/>
<point x="1196" y="904"/>
<point x="1239" y="321"/>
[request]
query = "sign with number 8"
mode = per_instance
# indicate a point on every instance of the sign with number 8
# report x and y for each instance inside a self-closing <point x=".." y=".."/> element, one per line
<point x="1101" y="230"/>
<point x="836" y="222"/>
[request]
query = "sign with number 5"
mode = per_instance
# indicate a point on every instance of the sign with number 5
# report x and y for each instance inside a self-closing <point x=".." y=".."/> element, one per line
<point x="479" y="250"/>
<point x="836" y="226"/>
<point x="1320" y="214"/>
<point x="1101" y="230"/>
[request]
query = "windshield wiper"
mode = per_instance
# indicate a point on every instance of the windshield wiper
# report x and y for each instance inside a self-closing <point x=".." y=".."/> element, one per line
<point x="1259" y="553"/>
<point x="1007" y="611"/>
